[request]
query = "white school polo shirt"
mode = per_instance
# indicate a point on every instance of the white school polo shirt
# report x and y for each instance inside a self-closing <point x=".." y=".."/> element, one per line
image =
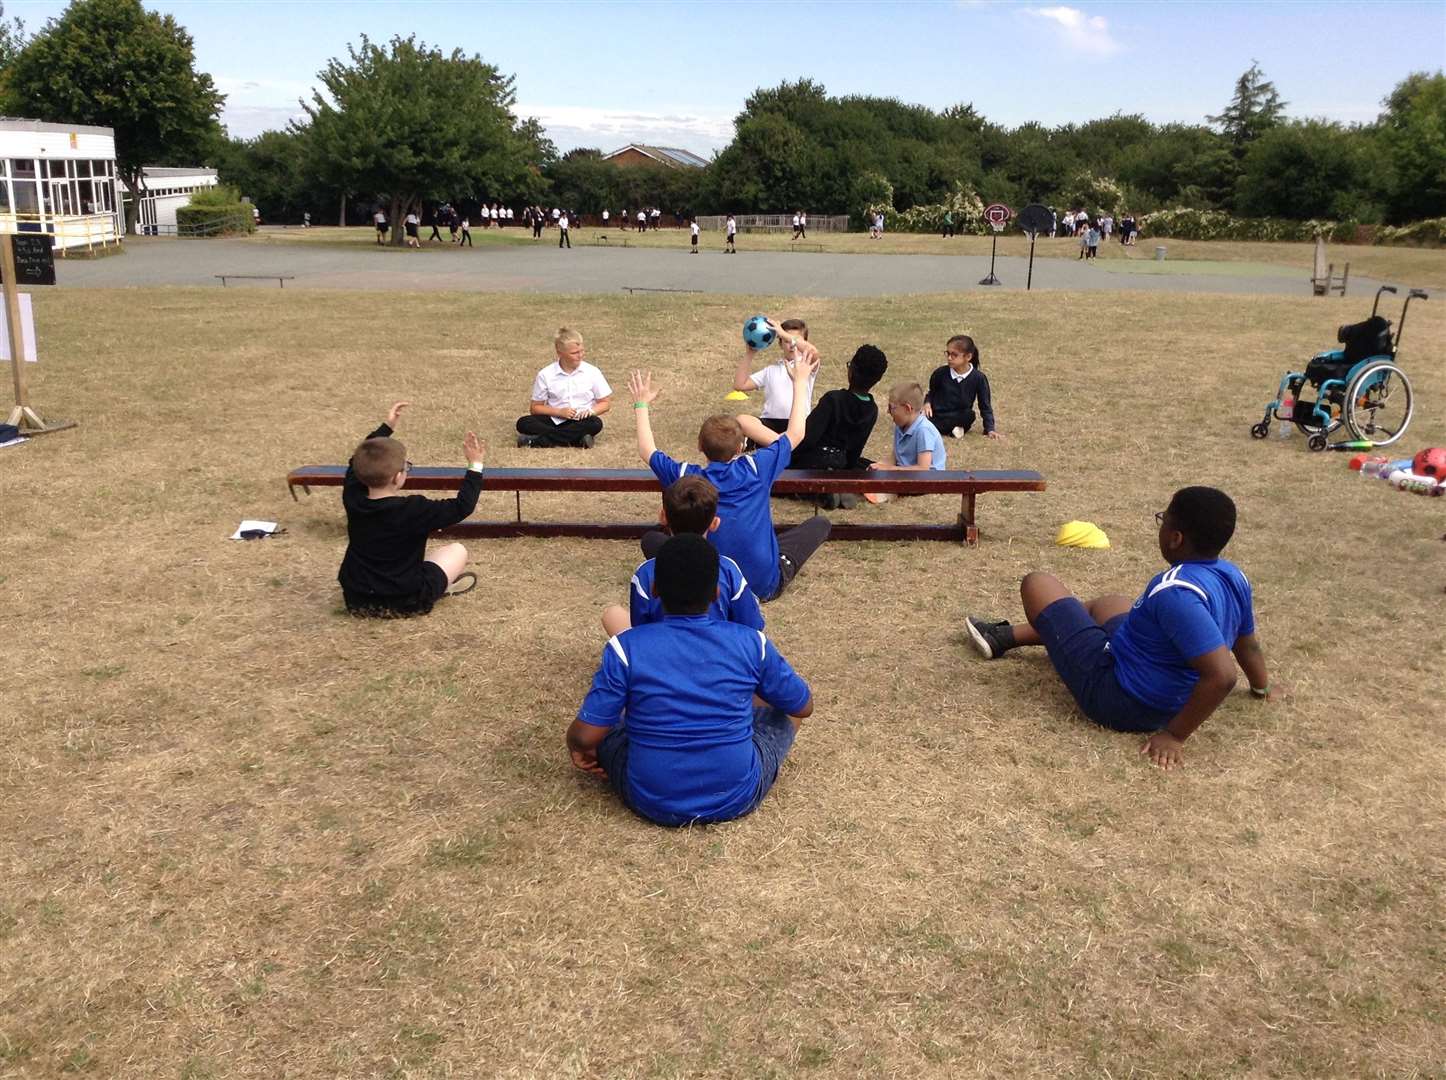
<point x="580" y="389"/>
<point x="777" y="390"/>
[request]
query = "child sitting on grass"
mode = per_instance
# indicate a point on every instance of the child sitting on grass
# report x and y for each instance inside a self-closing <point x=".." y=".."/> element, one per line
<point x="745" y="533"/>
<point x="956" y="387"/>
<point x="1161" y="664"/>
<point x="386" y="570"/>
<point x="569" y="397"/>
<point x="838" y="428"/>
<point x="774" y="380"/>
<point x="918" y="446"/>
<point x="690" y="505"/>
<point x="671" y="720"/>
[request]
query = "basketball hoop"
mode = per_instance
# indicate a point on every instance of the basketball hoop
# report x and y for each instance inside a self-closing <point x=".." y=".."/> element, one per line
<point x="998" y="215"/>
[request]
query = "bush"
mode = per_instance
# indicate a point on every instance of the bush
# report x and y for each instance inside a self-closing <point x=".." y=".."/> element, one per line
<point x="1190" y="224"/>
<point x="215" y="211"/>
<point x="1429" y="233"/>
<point x="967" y="208"/>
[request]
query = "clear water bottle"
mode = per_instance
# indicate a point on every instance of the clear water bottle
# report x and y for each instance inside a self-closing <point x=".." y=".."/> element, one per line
<point x="1283" y="412"/>
<point x="1374" y="468"/>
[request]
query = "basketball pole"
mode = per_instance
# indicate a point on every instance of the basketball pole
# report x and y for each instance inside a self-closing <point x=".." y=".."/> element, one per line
<point x="22" y="415"/>
<point x="991" y="279"/>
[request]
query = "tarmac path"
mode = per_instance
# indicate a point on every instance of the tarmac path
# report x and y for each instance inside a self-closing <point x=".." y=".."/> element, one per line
<point x="149" y="262"/>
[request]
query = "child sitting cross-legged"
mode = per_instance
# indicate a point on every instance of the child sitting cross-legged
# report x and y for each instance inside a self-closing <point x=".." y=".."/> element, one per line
<point x="386" y="569"/>
<point x="918" y="446"/>
<point x="1161" y="664"/>
<point x="671" y="721"/>
<point x="690" y="505"/>
<point x="773" y="379"/>
<point x="956" y="387"/>
<point x="744" y="482"/>
<point x="569" y="398"/>
<point x="838" y="427"/>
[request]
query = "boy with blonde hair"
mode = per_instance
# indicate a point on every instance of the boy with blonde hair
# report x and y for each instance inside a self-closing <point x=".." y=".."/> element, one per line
<point x="744" y="483"/>
<point x="386" y="570"/>
<point x="918" y="446"/>
<point x="569" y="397"/>
<point x="774" y="379"/>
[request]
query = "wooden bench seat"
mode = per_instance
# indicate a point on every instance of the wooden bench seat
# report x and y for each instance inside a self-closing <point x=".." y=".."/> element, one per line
<point x="968" y="485"/>
<point x="280" y="279"/>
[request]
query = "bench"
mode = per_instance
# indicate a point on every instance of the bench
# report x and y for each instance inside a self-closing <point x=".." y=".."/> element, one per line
<point x="968" y="485"/>
<point x="649" y="288"/>
<point x="799" y="245"/>
<point x="280" y="279"/>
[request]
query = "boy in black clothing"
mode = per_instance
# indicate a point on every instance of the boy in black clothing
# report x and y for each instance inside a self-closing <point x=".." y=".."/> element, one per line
<point x="386" y="570"/>
<point x="838" y="428"/>
<point x="956" y="388"/>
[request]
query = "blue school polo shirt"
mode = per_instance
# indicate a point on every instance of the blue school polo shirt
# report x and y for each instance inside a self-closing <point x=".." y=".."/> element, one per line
<point x="1189" y="610"/>
<point x="918" y="437"/>
<point x="686" y="687"/>
<point x="735" y="603"/>
<point x="746" y="534"/>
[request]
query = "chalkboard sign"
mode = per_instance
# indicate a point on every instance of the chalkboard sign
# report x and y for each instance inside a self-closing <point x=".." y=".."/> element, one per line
<point x="34" y="260"/>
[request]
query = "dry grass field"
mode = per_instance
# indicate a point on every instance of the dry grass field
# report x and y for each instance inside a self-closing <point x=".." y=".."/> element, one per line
<point x="1412" y="267"/>
<point x="247" y="836"/>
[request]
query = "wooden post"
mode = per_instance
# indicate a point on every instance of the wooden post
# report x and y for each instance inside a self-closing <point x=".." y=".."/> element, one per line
<point x="22" y="415"/>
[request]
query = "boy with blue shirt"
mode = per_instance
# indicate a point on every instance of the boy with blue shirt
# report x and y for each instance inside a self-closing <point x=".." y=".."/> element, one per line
<point x="918" y="446"/>
<point x="1161" y="664"/>
<point x="690" y="505"/>
<point x="670" y="721"/>
<point x="745" y="533"/>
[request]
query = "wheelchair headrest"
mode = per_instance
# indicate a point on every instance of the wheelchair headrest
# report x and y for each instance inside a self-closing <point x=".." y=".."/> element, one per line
<point x="1371" y="337"/>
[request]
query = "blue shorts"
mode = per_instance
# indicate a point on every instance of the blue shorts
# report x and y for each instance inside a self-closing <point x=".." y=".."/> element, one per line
<point x="1079" y="649"/>
<point x="773" y="735"/>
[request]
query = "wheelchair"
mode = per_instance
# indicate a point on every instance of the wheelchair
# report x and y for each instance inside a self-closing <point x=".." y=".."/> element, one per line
<point x="1358" y="388"/>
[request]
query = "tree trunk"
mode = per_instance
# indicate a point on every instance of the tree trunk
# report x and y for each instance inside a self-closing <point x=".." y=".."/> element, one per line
<point x="402" y="205"/>
<point x="341" y="217"/>
<point x="132" y="208"/>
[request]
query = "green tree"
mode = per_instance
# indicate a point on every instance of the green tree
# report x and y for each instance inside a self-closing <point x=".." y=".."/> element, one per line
<point x="407" y="124"/>
<point x="1411" y="134"/>
<point x="1310" y="169"/>
<point x="1181" y="164"/>
<point x="114" y="64"/>
<point x="1254" y="110"/>
<point x="12" y="39"/>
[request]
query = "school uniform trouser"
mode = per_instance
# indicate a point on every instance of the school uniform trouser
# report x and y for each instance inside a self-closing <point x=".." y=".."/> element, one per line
<point x="795" y="547"/>
<point x="435" y="235"/>
<point x="467" y="238"/>
<point x="563" y="238"/>
<point x="567" y="433"/>
<point x="946" y="422"/>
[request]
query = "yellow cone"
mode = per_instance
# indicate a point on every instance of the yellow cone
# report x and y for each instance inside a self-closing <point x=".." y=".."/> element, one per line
<point x="1081" y="534"/>
<point x="736" y="395"/>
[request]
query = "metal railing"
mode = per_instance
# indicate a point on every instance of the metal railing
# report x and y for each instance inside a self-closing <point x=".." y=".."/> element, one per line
<point x="774" y="222"/>
<point x="66" y="231"/>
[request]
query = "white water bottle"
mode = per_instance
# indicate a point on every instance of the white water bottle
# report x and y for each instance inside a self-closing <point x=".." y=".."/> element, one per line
<point x="1283" y="412"/>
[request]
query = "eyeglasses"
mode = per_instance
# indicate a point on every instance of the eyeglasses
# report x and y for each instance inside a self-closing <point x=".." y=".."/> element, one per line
<point x="951" y="352"/>
<point x="1160" y="517"/>
<point x="407" y="467"/>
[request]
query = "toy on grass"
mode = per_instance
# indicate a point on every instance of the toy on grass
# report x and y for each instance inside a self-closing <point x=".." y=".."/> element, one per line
<point x="1430" y="462"/>
<point x="735" y="395"/>
<point x="1082" y="534"/>
<point x="757" y="334"/>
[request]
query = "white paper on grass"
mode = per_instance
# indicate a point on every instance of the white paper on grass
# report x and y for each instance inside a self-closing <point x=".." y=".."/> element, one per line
<point x="248" y="525"/>
<point x="27" y="329"/>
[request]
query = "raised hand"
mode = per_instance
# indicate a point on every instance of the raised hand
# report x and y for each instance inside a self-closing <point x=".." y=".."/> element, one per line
<point x="395" y="412"/>
<point x="640" y="385"/>
<point x="474" y="448"/>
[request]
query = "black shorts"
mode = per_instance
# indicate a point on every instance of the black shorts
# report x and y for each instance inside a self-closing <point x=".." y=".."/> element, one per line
<point x="411" y="230"/>
<point x="382" y="226"/>
<point x="368" y="605"/>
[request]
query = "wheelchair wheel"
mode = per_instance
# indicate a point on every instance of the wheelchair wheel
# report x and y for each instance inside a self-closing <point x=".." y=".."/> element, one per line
<point x="1316" y="441"/>
<point x="1378" y="404"/>
<point x="1259" y="431"/>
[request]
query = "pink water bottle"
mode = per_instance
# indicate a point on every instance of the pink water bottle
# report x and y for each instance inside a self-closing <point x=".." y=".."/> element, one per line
<point x="1284" y="410"/>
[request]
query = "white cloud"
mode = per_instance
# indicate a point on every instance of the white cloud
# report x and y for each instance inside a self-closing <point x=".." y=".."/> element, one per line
<point x="1078" y="31"/>
<point x="256" y="105"/>
<point x="571" y="126"/>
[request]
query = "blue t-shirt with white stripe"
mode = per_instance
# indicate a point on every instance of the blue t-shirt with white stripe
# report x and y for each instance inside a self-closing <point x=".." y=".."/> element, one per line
<point x="686" y="686"/>
<point x="744" y="486"/>
<point x="735" y="603"/>
<point x="1189" y="610"/>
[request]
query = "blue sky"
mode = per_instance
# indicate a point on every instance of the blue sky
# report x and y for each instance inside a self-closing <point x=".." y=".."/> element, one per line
<point x="673" y="73"/>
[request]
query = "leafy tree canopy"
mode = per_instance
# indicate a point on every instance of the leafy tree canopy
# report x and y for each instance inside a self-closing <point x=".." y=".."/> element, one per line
<point x="1253" y="110"/>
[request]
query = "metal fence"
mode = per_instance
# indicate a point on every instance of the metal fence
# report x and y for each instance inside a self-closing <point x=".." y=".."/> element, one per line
<point x="748" y="223"/>
<point x="67" y="232"/>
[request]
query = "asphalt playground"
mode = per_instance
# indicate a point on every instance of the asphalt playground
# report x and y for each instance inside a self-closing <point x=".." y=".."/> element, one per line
<point x="149" y="262"/>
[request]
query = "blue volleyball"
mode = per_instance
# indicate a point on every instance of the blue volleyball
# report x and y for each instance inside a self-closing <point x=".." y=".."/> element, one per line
<point x="757" y="334"/>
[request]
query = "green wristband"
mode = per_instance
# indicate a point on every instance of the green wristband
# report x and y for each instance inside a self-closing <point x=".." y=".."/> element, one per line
<point x="640" y="404"/>
<point x="1261" y="691"/>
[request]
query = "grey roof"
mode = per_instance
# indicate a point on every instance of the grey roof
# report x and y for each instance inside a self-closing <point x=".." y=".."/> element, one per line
<point x="154" y="172"/>
<point x="15" y="123"/>
<point x="665" y="155"/>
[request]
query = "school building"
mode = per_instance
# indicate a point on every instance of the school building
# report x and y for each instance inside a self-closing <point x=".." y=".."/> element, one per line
<point x="668" y="156"/>
<point x="60" y="179"/>
<point x="164" y="191"/>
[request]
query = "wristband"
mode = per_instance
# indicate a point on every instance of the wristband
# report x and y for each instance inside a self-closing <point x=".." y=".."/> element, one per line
<point x="474" y="466"/>
<point x="1260" y="691"/>
<point x="640" y="404"/>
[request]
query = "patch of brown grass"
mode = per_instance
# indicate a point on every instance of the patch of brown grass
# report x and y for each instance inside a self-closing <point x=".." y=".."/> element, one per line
<point x="248" y="836"/>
